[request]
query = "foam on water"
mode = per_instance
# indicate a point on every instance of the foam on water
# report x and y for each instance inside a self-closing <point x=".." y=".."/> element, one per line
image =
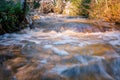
<point x="68" y="36"/>
<point x="58" y="69"/>
<point x="56" y="50"/>
<point x="112" y="38"/>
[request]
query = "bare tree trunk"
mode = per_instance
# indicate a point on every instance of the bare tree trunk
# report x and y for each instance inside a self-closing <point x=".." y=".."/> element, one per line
<point x="24" y="9"/>
<point x="24" y="6"/>
<point x="96" y="1"/>
<point x="106" y="4"/>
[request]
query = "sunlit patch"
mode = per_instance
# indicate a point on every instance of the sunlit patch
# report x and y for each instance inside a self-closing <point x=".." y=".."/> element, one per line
<point x="35" y="17"/>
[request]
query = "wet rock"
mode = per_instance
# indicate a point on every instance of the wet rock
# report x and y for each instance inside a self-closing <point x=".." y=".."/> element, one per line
<point x="36" y="17"/>
<point x="29" y="22"/>
<point x="2" y="31"/>
<point x="4" y="57"/>
<point x="5" y="73"/>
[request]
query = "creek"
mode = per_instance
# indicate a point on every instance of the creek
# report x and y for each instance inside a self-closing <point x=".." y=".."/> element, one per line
<point x="60" y="48"/>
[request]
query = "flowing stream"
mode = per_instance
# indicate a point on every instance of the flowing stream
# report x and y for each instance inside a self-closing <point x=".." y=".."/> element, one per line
<point x="61" y="48"/>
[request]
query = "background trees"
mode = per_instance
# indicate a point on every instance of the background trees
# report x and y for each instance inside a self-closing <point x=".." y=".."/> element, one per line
<point x="108" y="10"/>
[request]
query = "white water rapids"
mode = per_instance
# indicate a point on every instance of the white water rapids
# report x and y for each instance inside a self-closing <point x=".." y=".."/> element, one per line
<point x="66" y="51"/>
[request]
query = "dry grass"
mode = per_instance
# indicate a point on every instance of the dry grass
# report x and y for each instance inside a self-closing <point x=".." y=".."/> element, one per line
<point x="109" y="10"/>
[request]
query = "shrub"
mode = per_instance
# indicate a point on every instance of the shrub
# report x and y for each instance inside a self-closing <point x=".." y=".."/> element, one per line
<point x="36" y="5"/>
<point x="11" y="15"/>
